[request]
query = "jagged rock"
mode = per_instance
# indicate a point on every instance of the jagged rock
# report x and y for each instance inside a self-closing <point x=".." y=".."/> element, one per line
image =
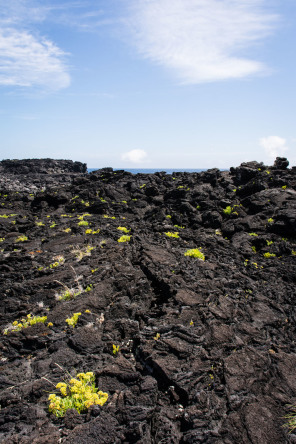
<point x="188" y="350"/>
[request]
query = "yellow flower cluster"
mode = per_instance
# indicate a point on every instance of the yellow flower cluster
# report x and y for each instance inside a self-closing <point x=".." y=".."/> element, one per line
<point x="26" y="322"/>
<point x="79" y="393"/>
<point x="124" y="229"/>
<point x="115" y="349"/>
<point x="73" y="320"/>
<point x="172" y="234"/>
<point x="195" y="253"/>
<point x="124" y="238"/>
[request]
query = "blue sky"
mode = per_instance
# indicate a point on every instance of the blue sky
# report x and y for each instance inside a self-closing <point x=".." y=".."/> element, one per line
<point x="148" y="83"/>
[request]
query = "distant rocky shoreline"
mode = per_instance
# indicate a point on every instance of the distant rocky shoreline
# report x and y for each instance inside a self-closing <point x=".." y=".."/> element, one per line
<point x="184" y="291"/>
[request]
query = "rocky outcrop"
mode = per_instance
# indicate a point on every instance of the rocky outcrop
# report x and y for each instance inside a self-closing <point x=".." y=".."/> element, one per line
<point x="31" y="175"/>
<point x="41" y="166"/>
<point x="206" y="347"/>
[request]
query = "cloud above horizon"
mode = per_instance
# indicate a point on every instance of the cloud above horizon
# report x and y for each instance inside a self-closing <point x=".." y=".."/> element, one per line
<point x="201" y="40"/>
<point x="135" y="156"/>
<point x="274" y="146"/>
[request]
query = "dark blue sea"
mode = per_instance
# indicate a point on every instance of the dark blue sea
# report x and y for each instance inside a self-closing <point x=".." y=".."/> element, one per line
<point x="154" y="170"/>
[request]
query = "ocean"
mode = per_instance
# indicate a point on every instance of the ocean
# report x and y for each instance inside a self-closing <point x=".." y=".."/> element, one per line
<point x="154" y="170"/>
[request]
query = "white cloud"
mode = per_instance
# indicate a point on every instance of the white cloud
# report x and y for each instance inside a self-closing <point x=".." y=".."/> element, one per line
<point x="135" y="156"/>
<point x="26" y="58"/>
<point x="200" y="40"/>
<point x="274" y="146"/>
<point x="27" y="61"/>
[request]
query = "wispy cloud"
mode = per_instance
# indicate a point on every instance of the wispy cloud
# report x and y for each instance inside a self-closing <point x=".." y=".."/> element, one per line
<point x="201" y="40"/>
<point x="29" y="61"/>
<point x="274" y="146"/>
<point x="26" y="58"/>
<point x="135" y="156"/>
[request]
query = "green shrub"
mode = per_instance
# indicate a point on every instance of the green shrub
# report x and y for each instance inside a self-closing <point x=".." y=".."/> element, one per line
<point x="21" y="239"/>
<point x="73" y="320"/>
<point x="123" y="229"/>
<point x="291" y="424"/>
<point x="115" y="349"/>
<point x="195" y="253"/>
<point x="26" y="322"/>
<point x="268" y="255"/>
<point x="124" y="238"/>
<point x="83" y="223"/>
<point x="227" y="210"/>
<point x="78" y="393"/>
<point x="170" y="234"/>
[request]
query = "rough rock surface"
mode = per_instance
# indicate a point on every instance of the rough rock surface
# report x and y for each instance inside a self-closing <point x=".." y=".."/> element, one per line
<point x="206" y="348"/>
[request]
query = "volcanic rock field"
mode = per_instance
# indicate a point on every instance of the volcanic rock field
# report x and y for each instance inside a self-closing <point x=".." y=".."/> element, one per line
<point x="188" y="349"/>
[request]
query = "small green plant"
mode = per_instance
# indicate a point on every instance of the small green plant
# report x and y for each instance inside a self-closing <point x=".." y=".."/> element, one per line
<point x="88" y="288"/>
<point x="67" y="230"/>
<point x="270" y="220"/>
<point x="293" y="252"/>
<point x="253" y="234"/>
<point x="90" y="231"/>
<point x="284" y="187"/>
<point x="268" y="255"/>
<point x="25" y="323"/>
<point x="39" y="224"/>
<point x="123" y="229"/>
<point x="115" y="349"/>
<point x="124" y="238"/>
<point x="168" y="216"/>
<point x="254" y="249"/>
<point x="143" y="186"/>
<point x="21" y="239"/>
<point x="52" y="225"/>
<point x="83" y="223"/>
<point x="195" y="252"/>
<point x="291" y="417"/>
<point x="171" y="234"/>
<point x="269" y="242"/>
<point x="69" y="293"/>
<point x="60" y="260"/>
<point x="179" y="227"/>
<point x="227" y="210"/>
<point x="80" y="253"/>
<point x="78" y="393"/>
<point x="73" y="320"/>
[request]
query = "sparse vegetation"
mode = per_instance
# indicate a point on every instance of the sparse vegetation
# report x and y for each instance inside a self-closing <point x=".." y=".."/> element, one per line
<point x="195" y="252"/>
<point x="78" y="393"/>
<point x="25" y="323"/>
<point x="124" y="238"/>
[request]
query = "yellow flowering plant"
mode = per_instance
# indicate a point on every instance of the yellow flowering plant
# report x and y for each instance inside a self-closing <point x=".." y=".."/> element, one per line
<point x="73" y="320"/>
<point x="195" y="252"/>
<point x="124" y="238"/>
<point x="78" y="393"/>
<point x="26" y="322"/>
